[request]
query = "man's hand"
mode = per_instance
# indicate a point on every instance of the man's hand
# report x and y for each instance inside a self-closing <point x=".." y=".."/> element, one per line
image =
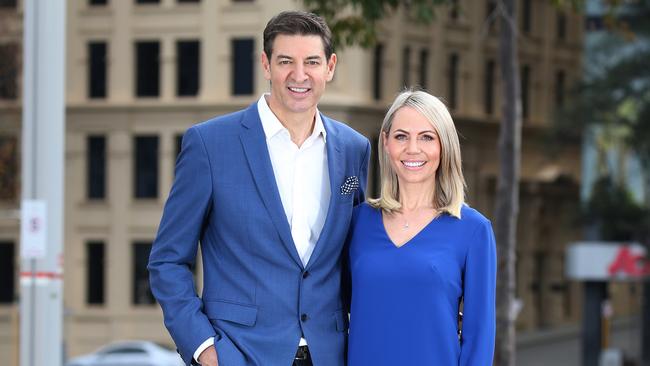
<point x="209" y="357"/>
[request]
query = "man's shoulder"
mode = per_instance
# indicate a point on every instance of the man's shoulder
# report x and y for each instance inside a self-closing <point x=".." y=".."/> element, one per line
<point x="345" y="133"/>
<point x="221" y="122"/>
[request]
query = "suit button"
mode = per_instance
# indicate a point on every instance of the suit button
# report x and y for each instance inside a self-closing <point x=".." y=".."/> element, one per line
<point x="304" y="317"/>
<point x="305" y="274"/>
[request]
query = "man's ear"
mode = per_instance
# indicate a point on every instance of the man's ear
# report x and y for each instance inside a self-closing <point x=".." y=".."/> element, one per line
<point x="266" y="65"/>
<point x="331" y="66"/>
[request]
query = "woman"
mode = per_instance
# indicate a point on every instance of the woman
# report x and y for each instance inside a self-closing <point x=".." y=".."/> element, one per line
<point x="418" y="251"/>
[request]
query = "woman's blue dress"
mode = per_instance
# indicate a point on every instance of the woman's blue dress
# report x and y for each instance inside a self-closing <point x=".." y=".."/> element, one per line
<point x="405" y="300"/>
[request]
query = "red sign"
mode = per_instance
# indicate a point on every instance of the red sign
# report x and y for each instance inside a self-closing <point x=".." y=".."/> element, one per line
<point x="629" y="263"/>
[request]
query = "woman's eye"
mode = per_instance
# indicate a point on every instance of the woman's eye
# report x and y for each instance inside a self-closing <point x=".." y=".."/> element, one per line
<point x="400" y="137"/>
<point x="427" y="138"/>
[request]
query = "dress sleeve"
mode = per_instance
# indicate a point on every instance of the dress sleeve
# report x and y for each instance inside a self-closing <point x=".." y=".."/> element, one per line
<point x="479" y="286"/>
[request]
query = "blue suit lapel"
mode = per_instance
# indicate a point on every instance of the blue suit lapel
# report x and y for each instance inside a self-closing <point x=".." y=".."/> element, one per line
<point x="335" y="165"/>
<point x="254" y="143"/>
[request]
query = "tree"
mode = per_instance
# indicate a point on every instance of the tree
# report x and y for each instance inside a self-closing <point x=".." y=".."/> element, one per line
<point x="507" y="206"/>
<point x="358" y="26"/>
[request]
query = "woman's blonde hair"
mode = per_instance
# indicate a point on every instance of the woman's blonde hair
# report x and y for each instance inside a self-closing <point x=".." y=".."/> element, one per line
<point x="449" y="194"/>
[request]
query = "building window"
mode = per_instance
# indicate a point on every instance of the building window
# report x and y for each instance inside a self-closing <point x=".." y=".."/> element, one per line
<point x="97" y="70"/>
<point x="489" y="87"/>
<point x="95" y="269"/>
<point x="141" y="290"/>
<point x="97" y="2"/>
<point x="7" y="3"/>
<point x="179" y="144"/>
<point x="526" y="16"/>
<point x="7" y="272"/>
<point x="490" y="15"/>
<point x="145" y="170"/>
<point x="453" y="9"/>
<point x="525" y="91"/>
<point x="187" y="68"/>
<point x="424" y="67"/>
<point x="8" y="70"/>
<point x="560" y="28"/>
<point x="147" y="69"/>
<point x="378" y="64"/>
<point x="406" y="66"/>
<point x="8" y="168"/>
<point x="243" y="66"/>
<point x="96" y="167"/>
<point x="453" y="80"/>
<point x="559" y="88"/>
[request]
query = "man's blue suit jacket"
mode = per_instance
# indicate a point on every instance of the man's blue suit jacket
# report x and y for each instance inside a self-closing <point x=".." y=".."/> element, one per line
<point x="258" y="299"/>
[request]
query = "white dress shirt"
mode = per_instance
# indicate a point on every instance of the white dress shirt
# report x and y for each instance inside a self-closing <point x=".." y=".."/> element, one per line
<point x="303" y="181"/>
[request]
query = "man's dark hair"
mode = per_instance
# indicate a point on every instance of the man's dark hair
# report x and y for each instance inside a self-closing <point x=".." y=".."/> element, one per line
<point x="297" y="23"/>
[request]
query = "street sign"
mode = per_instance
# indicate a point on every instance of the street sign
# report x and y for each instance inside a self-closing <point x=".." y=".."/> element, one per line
<point x="33" y="229"/>
<point x="604" y="261"/>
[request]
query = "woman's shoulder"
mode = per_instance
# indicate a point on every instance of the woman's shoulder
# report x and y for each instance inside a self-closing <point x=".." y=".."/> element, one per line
<point x="364" y="208"/>
<point x="472" y="217"/>
<point x="363" y="211"/>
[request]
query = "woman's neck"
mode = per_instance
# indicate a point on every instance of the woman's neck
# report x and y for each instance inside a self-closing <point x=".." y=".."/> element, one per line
<point x="416" y="196"/>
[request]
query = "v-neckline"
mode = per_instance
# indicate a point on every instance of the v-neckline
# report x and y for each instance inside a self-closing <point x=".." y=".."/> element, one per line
<point x="390" y="239"/>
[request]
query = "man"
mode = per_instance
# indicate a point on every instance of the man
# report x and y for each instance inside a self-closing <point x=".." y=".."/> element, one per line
<point x="268" y="192"/>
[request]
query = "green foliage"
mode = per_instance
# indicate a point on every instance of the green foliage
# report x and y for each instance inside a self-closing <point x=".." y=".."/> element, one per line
<point x="354" y="22"/>
<point x="613" y="210"/>
<point x="616" y="91"/>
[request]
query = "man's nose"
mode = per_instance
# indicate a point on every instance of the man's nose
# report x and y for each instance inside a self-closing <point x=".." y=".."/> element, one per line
<point x="298" y="73"/>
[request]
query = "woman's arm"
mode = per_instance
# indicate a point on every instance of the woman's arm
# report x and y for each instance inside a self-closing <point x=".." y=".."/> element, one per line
<point x="479" y="286"/>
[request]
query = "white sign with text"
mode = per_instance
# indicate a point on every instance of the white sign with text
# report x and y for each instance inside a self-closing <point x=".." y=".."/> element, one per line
<point x="33" y="229"/>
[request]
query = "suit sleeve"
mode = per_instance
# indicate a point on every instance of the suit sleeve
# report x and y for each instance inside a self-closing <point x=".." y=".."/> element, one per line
<point x="175" y="247"/>
<point x="479" y="286"/>
<point x="363" y="175"/>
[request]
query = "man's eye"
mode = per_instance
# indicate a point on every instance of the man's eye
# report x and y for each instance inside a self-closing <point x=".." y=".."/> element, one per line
<point x="284" y="62"/>
<point x="313" y="63"/>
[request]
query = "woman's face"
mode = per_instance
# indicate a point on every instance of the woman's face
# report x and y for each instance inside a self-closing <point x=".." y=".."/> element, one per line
<point x="413" y="148"/>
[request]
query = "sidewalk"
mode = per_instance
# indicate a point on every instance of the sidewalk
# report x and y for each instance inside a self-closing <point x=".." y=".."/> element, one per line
<point x="562" y="346"/>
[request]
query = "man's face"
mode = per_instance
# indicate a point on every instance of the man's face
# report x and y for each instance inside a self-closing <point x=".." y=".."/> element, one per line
<point x="298" y="71"/>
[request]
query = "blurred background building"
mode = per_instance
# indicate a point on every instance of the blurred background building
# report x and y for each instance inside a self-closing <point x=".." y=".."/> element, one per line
<point x="140" y="72"/>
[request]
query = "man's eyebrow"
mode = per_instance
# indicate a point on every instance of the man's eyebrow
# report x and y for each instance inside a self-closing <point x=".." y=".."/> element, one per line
<point x="313" y="57"/>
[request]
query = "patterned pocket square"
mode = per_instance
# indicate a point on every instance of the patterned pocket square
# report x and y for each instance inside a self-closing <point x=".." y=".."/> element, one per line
<point x="350" y="185"/>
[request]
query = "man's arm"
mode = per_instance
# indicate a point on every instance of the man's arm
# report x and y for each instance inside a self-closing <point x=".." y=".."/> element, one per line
<point x="175" y="247"/>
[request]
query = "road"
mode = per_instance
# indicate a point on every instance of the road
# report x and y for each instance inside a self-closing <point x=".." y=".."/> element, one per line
<point x="561" y="347"/>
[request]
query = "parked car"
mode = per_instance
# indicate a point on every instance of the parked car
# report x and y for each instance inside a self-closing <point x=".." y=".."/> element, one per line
<point x="129" y="353"/>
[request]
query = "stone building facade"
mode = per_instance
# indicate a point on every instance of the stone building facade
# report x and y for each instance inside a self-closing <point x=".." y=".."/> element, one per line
<point x="140" y="72"/>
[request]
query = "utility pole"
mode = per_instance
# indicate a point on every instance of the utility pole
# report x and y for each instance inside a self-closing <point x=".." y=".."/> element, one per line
<point x="42" y="210"/>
